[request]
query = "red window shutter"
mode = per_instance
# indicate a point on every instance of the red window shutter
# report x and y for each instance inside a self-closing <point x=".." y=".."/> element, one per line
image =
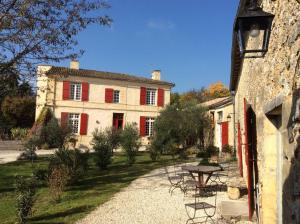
<point x="66" y="90"/>
<point x="143" y="96"/>
<point x="85" y="91"/>
<point x="224" y="133"/>
<point x="142" y="126"/>
<point x="161" y="98"/>
<point x="64" y="119"/>
<point x="83" y="124"/>
<point x="109" y="93"/>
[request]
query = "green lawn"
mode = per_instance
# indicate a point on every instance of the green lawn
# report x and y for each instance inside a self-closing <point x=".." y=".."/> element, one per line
<point x="95" y="188"/>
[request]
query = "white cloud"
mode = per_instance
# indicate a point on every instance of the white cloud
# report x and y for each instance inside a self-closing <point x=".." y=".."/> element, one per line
<point x="160" y="25"/>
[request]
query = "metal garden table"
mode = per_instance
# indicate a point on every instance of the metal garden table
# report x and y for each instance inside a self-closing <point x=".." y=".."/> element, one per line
<point x="201" y="170"/>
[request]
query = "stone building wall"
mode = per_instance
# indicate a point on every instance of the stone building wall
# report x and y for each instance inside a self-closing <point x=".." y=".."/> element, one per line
<point x="271" y="86"/>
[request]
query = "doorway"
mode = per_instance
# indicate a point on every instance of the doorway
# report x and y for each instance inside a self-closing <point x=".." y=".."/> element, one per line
<point x="251" y="159"/>
<point x="118" y="120"/>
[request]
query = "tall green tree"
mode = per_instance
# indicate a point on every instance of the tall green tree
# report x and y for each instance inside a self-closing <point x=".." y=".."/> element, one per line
<point x="179" y="126"/>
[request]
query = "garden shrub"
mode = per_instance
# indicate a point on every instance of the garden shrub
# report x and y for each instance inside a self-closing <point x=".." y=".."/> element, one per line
<point x="154" y="152"/>
<point x="40" y="174"/>
<point x="113" y="136"/>
<point x="53" y="134"/>
<point x="74" y="161"/>
<point x="212" y="150"/>
<point x="130" y="142"/>
<point x="30" y="147"/>
<point x="57" y="181"/>
<point x="19" y="133"/>
<point x="103" y="148"/>
<point x="227" y="149"/>
<point x="25" y="192"/>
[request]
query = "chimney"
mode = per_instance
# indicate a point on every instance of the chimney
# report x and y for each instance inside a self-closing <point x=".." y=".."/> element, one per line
<point x="156" y="75"/>
<point x="74" y="64"/>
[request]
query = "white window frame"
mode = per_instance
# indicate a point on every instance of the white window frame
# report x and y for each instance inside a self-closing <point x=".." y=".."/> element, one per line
<point x="149" y="126"/>
<point x="75" y="91"/>
<point x="220" y="116"/>
<point x="151" y="96"/>
<point x="74" y="122"/>
<point x="116" y="96"/>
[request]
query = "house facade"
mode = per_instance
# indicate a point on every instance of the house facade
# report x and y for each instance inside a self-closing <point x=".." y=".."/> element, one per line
<point x="222" y="120"/>
<point x="267" y="101"/>
<point x="88" y="99"/>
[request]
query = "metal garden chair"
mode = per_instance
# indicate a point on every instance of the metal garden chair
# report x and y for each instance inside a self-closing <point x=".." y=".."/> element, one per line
<point x="175" y="178"/>
<point x="204" y="203"/>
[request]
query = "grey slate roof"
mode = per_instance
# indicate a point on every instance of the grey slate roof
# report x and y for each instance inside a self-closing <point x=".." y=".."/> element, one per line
<point x="64" y="71"/>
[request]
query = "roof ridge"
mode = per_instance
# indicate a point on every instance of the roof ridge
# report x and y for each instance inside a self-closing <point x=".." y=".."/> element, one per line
<point x="55" y="70"/>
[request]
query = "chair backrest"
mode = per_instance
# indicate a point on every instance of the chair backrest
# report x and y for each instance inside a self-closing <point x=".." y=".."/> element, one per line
<point x="210" y="190"/>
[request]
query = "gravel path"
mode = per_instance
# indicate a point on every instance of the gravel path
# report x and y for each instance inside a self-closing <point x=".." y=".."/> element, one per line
<point x="7" y="156"/>
<point x="145" y="201"/>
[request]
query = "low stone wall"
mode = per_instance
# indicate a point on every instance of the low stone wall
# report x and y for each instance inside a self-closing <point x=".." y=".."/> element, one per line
<point x="11" y="145"/>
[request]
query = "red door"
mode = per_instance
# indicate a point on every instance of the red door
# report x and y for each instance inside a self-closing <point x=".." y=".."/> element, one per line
<point x="251" y="156"/>
<point x="118" y="120"/>
<point x="224" y="126"/>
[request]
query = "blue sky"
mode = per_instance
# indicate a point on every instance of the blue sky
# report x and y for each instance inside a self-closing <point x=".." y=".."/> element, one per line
<point x="189" y="41"/>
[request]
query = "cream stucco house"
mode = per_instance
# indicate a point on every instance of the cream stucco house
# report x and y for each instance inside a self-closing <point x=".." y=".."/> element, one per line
<point x="88" y="99"/>
<point x="222" y="120"/>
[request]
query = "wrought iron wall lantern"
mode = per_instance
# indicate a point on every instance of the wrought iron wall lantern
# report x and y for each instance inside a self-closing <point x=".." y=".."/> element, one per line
<point x="253" y="28"/>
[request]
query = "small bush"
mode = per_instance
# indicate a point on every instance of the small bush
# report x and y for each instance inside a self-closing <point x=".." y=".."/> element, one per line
<point x="74" y="161"/>
<point x="154" y="152"/>
<point x="227" y="149"/>
<point x="57" y="181"/>
<point x="113" y="137"/>
<point x="130" y="142"/>
<point x="53" y="134"/>
<point x="25" y="190"/>
<point x="103" y="148"/>
<point x="203" y="154"/>
<point x="40" y="174"/>
<point x="19" y="133"/>
<point x="212" y="150"/>
<point x="30" y="148"/>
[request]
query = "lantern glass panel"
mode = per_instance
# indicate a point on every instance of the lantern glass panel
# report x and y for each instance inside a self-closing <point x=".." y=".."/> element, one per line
<point x="252" y="42"/>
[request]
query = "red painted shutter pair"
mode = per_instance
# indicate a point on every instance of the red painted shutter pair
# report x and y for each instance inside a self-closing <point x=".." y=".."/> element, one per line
<point x="66" y="91"/>
<point x="83" y="122"/>
<point x="143" y="96"/>
<point x="142" y="126"/>
<point x="224" y="127"/>
<point x="109" y="95"/>
<point x="161" y="98"/>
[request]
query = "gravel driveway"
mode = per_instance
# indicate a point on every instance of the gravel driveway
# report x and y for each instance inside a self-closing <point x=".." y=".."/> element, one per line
<point x="7" y="156"/>
<point x="145" y="201"/>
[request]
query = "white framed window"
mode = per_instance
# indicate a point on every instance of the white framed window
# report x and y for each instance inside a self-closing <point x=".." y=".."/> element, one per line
<point x="151" y="97"/>
<point x="116" y="97"/>
<point x="74" y="123"/>
<point x="220" y="116"/>
<point x="149" y="126"/>
<point x="75" y="91"/>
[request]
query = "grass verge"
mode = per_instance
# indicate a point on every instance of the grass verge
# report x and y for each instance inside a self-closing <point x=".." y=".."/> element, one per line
<point x="95" y="188"/>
